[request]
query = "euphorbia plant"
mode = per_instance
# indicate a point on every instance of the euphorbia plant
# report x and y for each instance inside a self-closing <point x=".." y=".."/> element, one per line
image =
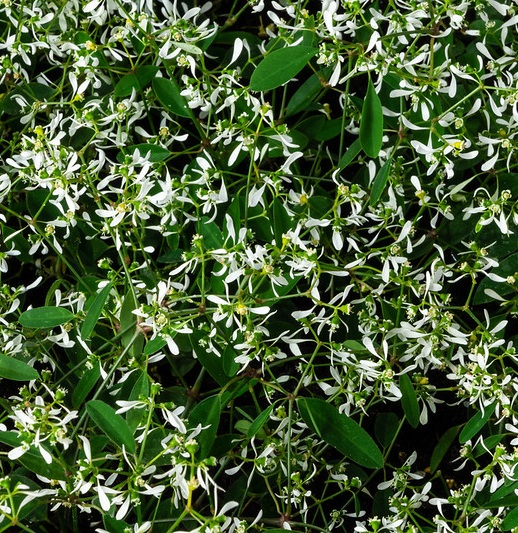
<point x="258" y="266"/>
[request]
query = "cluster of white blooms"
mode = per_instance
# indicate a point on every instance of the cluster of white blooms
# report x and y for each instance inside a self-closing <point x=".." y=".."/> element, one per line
<point x="224" y="246"/>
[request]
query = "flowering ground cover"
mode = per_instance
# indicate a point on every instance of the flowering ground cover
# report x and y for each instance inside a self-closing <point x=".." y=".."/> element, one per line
<point x="258" y="266"/>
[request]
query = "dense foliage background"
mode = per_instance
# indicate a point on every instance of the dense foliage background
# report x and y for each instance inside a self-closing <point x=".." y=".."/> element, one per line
<point x="258" y="266"/>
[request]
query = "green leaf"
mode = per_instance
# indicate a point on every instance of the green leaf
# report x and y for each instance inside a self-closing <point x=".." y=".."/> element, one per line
<point x="168" y="93"/>
<point x="307" y="92"/>
<point x="476" y="423"/>
<point x="128" y="324"/>
<point x="139" y="389"/>
<point x="113" y="525"/>
<point x="329" y="129"/>
<point x="442" y="447"/>
<point x="380" y="181"/>
<point x="385" y="428"/>
<point x="282" y="222"/>
<point x="212" y="236"/>
<point x="280" y="66"/>
<point x="30" y="92"/>
<point x="137" y="80"/>
<point x="154" y="345"/>
<point x="510" y="521"/>
<point x="229" y="361"/>
<point x="153" y="152"/>
<point x="487" y="444"/>
<point x="505" y="496"/>
<point x="93" y="312"/>
<point x="45" y="317"/>
<point x="340" y="431"/>
<point x="206" y="413"/>
<point x="85" y="385"/>
<point x="32" y="458"/>
<point x="409" y="400"/>
<point x="507" y="267"/>
<point x="126" y="85"/>
<point x="16" y="370"/>
<point x="211" y="363"/>
<point x="371" y="125"/>
<point x="257" y="425"/>
<point x="111" y="424"/>
<point x="350" y="155"/>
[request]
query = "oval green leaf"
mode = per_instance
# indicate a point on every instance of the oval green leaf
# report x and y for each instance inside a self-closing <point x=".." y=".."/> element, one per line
<point x="45" y="317"/>
<point x="111" y="424"/>
<point x="371" y="125"/>
<point x="340" y="431"/>
<point x="409" y="400"/>
<point x="280" y="66"/>
<point x="16" y="370"/>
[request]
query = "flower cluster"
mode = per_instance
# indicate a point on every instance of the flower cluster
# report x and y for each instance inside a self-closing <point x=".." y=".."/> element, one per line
<point x="258" y="265"/>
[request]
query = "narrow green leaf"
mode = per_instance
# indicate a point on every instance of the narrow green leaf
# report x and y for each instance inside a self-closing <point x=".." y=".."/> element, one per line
<point x="85" y="385"/>
<point x="94" y="311"/>
<point x="45" y="317"/>
<point x="371" y="125"/>
<point x="168" y="93"/>
<point x="206" y="413"/>
<point x="476" y="423"/>
<point x="505" y="496"/>
<point x="141" y="386"/>
<point x="510" y="521"/>
<point x="340" y="431"/>
<point x="307" y="92"/>
<point x="380" y="182"/>
<point x="16" y="370"/>
<point x="280" y="66"/>
<point x="350" y="155"/>
<point x="409" y="400"/>
<point x="442" y="447"/>
<point x="140" y="389"/>
<point x="229" y="361"/>
<point x="259" y="422"/>
<point x="113" y="525"/>
<point x="486" y="444"/>
<point x="385" y="428"/>
<point x="111" y="424"/>
<point x="154" y="345"/>
<point x="282" y="222"/>
<point x="128" y="323"/>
